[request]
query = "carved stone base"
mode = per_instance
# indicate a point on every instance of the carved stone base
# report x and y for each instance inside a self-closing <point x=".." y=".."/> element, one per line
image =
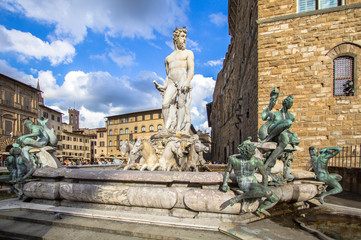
<point x="185" y="194"/>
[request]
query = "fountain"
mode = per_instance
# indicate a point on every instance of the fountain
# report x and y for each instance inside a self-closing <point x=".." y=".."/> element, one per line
<point x="173" y="186"/>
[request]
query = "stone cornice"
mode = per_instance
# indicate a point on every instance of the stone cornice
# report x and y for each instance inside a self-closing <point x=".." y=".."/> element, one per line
<point x="310" y="13"/>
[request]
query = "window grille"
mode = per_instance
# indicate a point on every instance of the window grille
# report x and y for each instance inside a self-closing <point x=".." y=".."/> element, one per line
<point x="343" y="83"/>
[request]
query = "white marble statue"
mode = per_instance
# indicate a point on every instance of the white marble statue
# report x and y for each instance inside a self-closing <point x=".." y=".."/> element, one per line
<point x="180" y="70"/>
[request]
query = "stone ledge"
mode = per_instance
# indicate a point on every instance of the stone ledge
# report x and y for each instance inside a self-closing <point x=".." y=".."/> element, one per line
<point x="310" y="13"/>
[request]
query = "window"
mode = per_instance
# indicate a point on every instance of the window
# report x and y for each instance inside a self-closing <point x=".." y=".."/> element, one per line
<point x="143" y="129"/>
<point x="101" y="135"/>
<point x="159" y="115"/>
<point x="8" y="127"/>
<point x="159" y="127"/>
<point x="343" y="83"/>
<point x="110" y="122"/>
<point x="110" y="132"/>
<point x="45" y="115"/>
<point x="311" y="5"/>
<point x="127" y="119"/>
<point x="9" y="98"/>
<point x="52" y="117"/>
<point x="126" y="131"/>
<point x="143" y="117"/>
<point x="102" y="144"/>
<point x="151" y="128"/>
<point x="121" y="131"/>
<point x="58" y="119"/>
<point x="135" y="129"/>
<point x="136" y="118"/>
<point x="151" y="116"/>
<point x="121" y="120"/>
<point x="110" y="143"/>
<point x="74" y="139"/>
<point x="26" y="103"/>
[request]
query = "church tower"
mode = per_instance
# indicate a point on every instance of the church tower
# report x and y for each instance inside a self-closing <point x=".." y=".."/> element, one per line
<point x="40" y="96"/>
<point x="74" y="118"/>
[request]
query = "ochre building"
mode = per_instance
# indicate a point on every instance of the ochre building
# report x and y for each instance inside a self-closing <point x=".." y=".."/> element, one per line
<point x="18" y="101"/>
<point x="131" y="126"/>
<point x="308" y="49"/>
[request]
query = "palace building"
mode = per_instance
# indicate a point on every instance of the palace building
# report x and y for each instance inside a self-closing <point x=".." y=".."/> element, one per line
<point x="131" y="126"/>
<point x="308" y="49"/>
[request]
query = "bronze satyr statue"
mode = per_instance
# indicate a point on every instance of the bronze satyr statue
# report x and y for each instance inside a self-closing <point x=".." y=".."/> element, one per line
<point x="319" y="160"/>
<point x="245" y="165"/>
<point x="277" y="127"/>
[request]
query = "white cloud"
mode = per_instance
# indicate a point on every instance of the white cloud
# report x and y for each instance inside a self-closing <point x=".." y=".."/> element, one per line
<point x="219" y="19"/>
<point x="90" y="119"/>
<point x="204" y="127"/>
<point x="170" y="44"/>
<point x="123" y="60"/>
<point x="29" y="46"/>
<point x="136" y="18"/>
<point x="214" y="63"/>
<point x="201" y="94"/>
<point x="7" y="70"/>
<point x="192" y="45"/>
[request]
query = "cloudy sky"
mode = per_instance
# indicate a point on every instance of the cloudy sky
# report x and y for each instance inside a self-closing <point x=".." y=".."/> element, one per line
<point x="101" y="57"/>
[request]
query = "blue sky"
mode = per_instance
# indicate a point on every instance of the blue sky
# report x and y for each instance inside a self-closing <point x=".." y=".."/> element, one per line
<point x="101" y="57"/>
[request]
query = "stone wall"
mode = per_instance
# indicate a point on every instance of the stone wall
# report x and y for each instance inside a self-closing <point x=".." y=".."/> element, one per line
<point x="274" y="8"/>
<point x="296" y="56"/>
<point x="234" y="109"/>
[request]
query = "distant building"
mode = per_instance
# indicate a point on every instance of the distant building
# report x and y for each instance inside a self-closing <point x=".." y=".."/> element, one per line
<point x="101" y="147"/>
<point x="75" y="145"/>
<point x="308" y="49"/>
<point x="18" y="101"/>
<point x="131" y="126"/>
<point x="54" y="118"/>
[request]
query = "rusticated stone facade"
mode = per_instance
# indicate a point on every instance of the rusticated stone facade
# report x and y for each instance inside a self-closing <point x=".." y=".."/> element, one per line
<point x="295" y="53"/>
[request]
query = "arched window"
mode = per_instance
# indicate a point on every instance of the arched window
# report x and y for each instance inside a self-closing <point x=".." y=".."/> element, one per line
<point x="121" y="131"/>
<point x="343" y="82"/>
<point x="110" y="143"/>
<point x="151" y="128"/>
<point x="126" y="131"/>
<point x="159" y="127"/>
<point x="143" y="129"/>
<point x="110" y="132"/>
<point x="135" y="129"/>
